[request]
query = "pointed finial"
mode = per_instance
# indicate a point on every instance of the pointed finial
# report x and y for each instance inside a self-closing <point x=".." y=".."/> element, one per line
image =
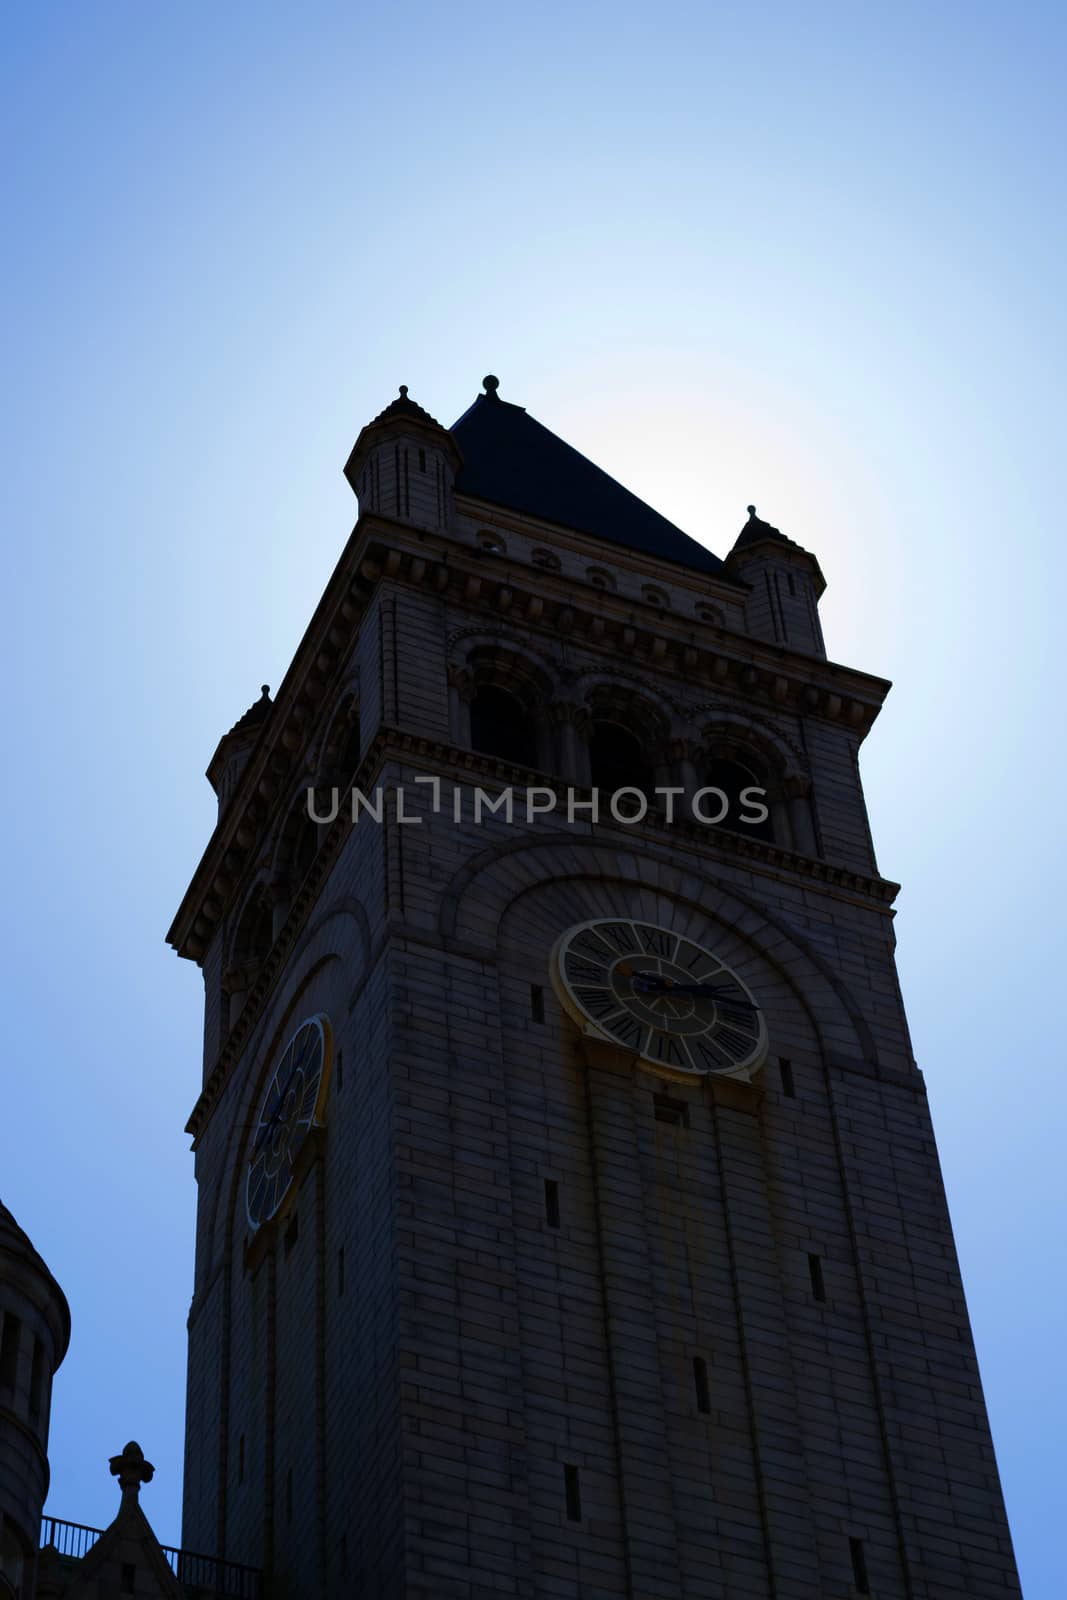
<point x="264" y="691"/>
<point x="403" y="391"/>
<point x="131" y="1468"/>
<point x="751" y="510"/>
<point x="491" y="384"/>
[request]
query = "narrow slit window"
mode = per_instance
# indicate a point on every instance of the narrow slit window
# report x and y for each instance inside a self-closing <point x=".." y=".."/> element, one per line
<point x="675" y="1113"/>
<point x="552" y="1202"/>
<point x="818" y="1283"/>
<point x="859" y="1566"/>
<point x="129" y="1578"/>
<point x="341" y="1271"/>
<point x="37" y="1381"/>
<point x="339" y="1070"/>
<point x="700" y="1383"/>
<point x="422" y="460"/>
<point x="573" y="1490"/>
<point x="241" y="1459"/>
<point x="537" y="1002"/>
<point x="292" y="1233"/>
<point x="785" y="1070"/>
<point x="289" y="1495"/>
<point x="9" y="1350"/>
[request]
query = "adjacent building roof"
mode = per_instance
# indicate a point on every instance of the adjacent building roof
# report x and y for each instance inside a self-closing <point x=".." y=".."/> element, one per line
<point x="512" y="460"/>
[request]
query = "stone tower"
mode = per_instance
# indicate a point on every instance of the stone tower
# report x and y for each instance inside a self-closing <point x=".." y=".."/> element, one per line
<point x="34" y="1335"/>
<point x="570" y="1221"/>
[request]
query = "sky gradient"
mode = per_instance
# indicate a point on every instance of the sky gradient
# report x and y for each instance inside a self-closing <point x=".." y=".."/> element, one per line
<point x="806" y="257"/>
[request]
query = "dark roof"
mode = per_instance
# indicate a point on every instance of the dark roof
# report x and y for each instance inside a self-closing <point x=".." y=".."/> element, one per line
<point x="511" y="460"/>
<point x="756" y="530"/>
<point x="257" y="713"/>
<point x="403" y="407"/>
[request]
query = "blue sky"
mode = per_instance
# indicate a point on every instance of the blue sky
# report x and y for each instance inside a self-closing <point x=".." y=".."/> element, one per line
<point x="806" y="256"/>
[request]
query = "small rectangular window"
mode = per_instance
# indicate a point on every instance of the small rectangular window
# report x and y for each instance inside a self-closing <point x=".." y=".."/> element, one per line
<point x="818" y="1285"/>
<point x="344" y="1553"/>
<point x="859" y="1566"/>
<point x="341" y="1271"/>
<point x="700" y="1383"/>
<point x="292" y="1232"/>
<point x="422" y="460"/>
<point x="9" y="1350"/>
<point x="573" y="1491"/>
<point x="339" y="1070"/>
<point x="552" y="1202"/>
<point x="675" y="1113"/>
<point x="37" y="1380"/>
<point x="537" y="1002"/>
<point x="785" y="1070"/>
<point x="129" y="1578"/>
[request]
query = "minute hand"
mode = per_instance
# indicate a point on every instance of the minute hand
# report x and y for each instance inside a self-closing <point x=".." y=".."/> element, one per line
<point x="652" y="984"/>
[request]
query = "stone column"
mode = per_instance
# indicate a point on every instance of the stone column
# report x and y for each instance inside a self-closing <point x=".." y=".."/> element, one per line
<point x="460" y="695"/>
<point x="797" y="789"/>
<point x="572" y="722"/>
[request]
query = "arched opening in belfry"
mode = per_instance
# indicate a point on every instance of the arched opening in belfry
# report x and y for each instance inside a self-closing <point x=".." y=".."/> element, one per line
<point x="618" y="760"/>
<point x="747" y="796"/>
<point x="502" y="726"/>
<point x="255" y="932"/>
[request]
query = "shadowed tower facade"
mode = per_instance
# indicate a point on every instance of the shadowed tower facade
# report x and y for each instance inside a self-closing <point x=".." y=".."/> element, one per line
<point x="570" y="1221"/>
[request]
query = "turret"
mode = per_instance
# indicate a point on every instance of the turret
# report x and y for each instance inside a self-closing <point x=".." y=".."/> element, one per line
<point x="785" y="584"/>
<point x="404" y="465"/>
<point x="234" y="748"/>
<point x="34" y="1334"/>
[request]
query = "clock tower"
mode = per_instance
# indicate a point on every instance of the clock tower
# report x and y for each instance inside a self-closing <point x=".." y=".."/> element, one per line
<point x="570" y="1221"/>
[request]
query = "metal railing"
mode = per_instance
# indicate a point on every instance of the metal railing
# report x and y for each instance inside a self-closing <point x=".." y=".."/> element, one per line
<point x="74" y="1540"/>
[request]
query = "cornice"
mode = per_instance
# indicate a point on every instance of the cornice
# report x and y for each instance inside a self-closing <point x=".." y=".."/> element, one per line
<point x="392" y="744"/>
<point x="724" y="587"/>
<point x="637" y="629"/>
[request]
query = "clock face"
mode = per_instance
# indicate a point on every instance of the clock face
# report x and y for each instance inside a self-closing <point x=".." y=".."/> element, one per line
<point x="291" y="1107"/>
<point x="660" y="995"/>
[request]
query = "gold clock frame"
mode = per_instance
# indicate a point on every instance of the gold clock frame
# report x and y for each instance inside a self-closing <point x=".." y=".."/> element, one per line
<point x="305" y="1153"/>
<point x="743" y="1070"/>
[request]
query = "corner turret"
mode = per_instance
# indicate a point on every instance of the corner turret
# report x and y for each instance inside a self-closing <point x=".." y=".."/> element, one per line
<point x="404" y="465"/>
<point x="785" y="584"/>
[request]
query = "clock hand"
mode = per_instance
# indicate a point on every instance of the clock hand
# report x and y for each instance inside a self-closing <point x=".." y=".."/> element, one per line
<point x="651" y="983"/>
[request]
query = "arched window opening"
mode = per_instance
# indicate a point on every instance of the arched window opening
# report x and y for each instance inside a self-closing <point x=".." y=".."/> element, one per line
<point x="502" y="726"/>
<point x="743" y="811"/>
<point x="340" y="758"/>
<point x="305" y="848"/>
<point x="255" y="936"/>
<point x="617" y="759"/>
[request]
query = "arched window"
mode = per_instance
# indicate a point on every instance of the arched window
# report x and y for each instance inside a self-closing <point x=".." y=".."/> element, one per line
<point x="617" y="759"/>
<point x="340" y="757"/>
<point x="502" y="726"/>
<point x="736" y="779"/>
<point x="255" y="934"/>
<point x="305" y="848"/>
